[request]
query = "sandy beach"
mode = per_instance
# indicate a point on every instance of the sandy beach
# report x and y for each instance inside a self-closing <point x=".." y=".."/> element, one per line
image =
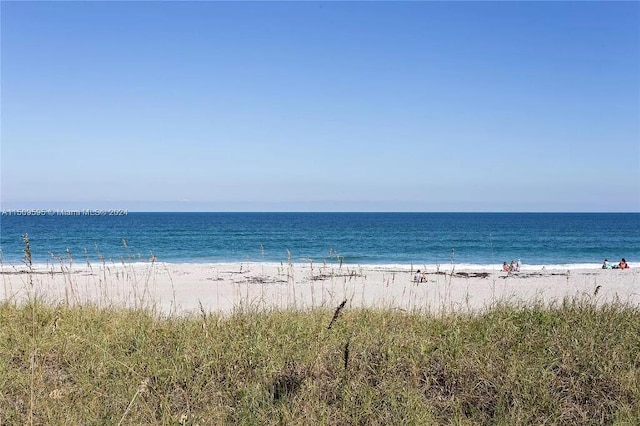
<point x="221" y="287"/>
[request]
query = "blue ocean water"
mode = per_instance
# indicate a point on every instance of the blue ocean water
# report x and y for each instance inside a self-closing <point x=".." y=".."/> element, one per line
<point x="355" y="238"/>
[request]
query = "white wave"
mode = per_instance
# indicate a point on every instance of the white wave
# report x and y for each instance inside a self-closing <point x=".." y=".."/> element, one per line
<point x="428" y="267"/>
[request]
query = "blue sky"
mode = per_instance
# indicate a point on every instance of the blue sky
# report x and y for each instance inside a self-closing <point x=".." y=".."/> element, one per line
<point x="330" y="106"/>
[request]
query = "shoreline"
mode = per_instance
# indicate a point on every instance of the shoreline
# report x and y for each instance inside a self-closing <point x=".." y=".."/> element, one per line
<point x="169" y="288"/>
<point x="40" y="267"/>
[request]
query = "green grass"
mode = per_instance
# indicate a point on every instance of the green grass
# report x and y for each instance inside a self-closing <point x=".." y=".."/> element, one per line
<point x="573" y="363"/>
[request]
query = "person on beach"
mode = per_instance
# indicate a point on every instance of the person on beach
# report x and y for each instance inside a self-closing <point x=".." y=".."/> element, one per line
<point x="518" y="264"/>
<point x="505" y="267"/>
<point x="417" y="277"/>
<point x="623" y="264"/>
<point x="512" y="266"/>
<point x="606" y="264"/>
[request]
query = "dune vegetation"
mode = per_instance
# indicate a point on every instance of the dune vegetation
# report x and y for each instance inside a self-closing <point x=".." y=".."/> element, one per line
<point x="568" y="364"/>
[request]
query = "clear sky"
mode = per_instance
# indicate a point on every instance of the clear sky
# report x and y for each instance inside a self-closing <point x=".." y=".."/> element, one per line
<point x="328" y="106"/>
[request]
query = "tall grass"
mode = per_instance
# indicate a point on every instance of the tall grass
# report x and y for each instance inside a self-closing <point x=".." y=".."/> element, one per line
<point x="569" y="364"/>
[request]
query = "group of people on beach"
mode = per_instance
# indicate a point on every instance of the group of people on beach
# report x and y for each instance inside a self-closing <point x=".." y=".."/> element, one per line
<point x="513" y="267"/>
<point x="622" y="265"/>
<point x="420" y="277"/>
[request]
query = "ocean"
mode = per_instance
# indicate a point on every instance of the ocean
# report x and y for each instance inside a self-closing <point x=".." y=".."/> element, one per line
<point x="474" y="239"/>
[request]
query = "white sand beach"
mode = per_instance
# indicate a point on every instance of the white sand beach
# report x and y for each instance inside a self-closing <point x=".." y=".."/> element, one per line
<point x="221" y="287"/>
